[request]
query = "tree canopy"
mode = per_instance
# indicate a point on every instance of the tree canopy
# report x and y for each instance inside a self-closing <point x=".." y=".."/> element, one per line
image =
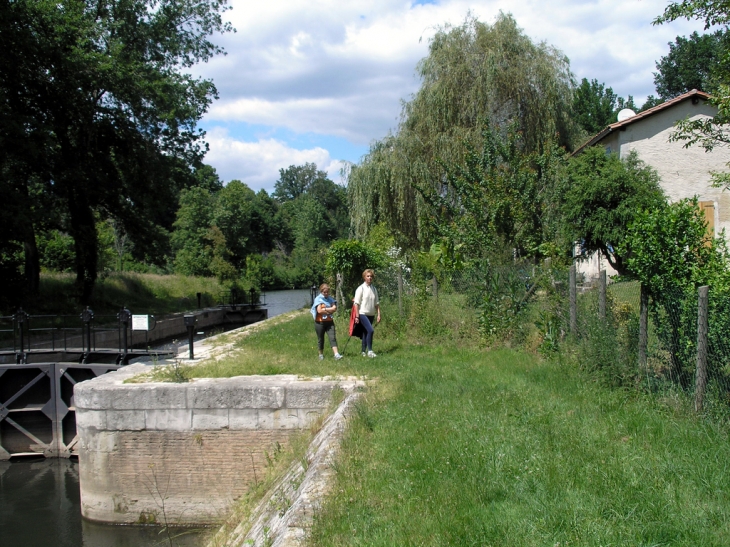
<point x="693" y="62"/>
<point x="600" y="195"/>
<point x="99" y="117"/>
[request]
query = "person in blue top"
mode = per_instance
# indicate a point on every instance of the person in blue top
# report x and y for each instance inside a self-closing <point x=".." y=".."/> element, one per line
<point x="322" y="309"/>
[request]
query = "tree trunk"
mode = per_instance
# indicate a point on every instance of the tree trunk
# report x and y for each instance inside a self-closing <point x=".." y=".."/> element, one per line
<point x="32" y="261"/>
<point x="83" y="230"/>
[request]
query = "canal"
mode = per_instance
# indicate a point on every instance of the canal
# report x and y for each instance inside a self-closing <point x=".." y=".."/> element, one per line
<point x="40" y="503"/>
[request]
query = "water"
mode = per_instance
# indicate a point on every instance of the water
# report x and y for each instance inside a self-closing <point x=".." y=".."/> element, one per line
<point x="40" y="501"/>
<point x="278" y="302"/>
<point x="39" y="507"/>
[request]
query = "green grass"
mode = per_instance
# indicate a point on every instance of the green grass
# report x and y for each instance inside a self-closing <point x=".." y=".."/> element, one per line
<point x="458" y="445"/>
<point x="141" y="293"/>
<point x="470" y="448"/>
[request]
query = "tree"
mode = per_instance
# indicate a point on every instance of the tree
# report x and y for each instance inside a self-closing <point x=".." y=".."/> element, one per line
<point x="296" y="180"/>
<point x="594" y="106"/>
<point x="193" y="255"/>
<point x="692" y="63"/>
<point x="314" y="208"/>
<point x="97" y="89"/>
<point x="473" y="72"/>
<point x="672" y="255"/>
<point x="495" y="197"/>
<point x="601" y="195"/>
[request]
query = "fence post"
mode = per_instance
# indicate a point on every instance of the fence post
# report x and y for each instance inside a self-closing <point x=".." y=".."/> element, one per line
<point x="602" y="294"/>
<point x="701" y="378"/>
<point x="643" y="325"/>
<point x="435" y="287"/>
<point x="400" y="290"/>
<point x="573" y="302"/>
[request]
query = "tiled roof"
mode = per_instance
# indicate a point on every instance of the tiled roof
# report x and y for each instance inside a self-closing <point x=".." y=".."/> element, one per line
<point x="694" y="94"/>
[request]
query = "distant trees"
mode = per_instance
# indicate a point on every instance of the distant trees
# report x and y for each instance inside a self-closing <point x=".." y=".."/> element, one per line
<point x="594" y="106"/>
<point x="270" y="241"/>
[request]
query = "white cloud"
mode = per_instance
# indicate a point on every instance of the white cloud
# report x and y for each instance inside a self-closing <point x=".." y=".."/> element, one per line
<point x="257" y="163"/>
<point x="341" y="69"/>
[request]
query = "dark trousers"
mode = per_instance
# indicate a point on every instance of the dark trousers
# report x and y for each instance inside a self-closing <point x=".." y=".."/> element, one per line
<point x="367" y="324"/>
<point x="329" y="328"/>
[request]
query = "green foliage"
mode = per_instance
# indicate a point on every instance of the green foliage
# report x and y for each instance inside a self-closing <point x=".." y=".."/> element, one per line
<point x="102" y="114"/>
<point x="473" y="72"/>
<point x="670" y="249"/>
<point x="609" y="346"/>
<point x="260" y="273"/>
<point x="57" y="251"/>
<point x="350" y="258"/>
<point x="594" y="106"/>
<point x="194" y="218"/>
<point x="672" y="255"/>
<point x="498" y="196"/>
<point x="600" y="196"/>
<point x="503" y="302"/>
<point x="693" y="62"/>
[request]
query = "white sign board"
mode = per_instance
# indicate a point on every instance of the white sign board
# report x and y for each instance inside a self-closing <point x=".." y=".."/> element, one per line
<point x="140" y="322"/>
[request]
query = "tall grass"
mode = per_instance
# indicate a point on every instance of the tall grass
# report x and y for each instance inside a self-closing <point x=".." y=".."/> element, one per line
<point x="472" y="448"/>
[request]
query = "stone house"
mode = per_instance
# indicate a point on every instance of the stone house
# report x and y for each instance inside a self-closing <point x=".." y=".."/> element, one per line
<point x="684" y="172"/>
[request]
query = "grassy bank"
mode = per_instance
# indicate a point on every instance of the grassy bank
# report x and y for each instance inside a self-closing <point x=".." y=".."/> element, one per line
<point x="141" y="293"/>
<point x="458" y="445"/>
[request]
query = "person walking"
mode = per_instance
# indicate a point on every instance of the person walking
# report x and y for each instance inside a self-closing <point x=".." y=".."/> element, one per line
<point x="322" y="309"/>
<point x="367" y="307"/>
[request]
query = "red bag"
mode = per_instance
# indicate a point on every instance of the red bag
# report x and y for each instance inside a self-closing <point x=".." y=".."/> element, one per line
<point x="355" y="328"/>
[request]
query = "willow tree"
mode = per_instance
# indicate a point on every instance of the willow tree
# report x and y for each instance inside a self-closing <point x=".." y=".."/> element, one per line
<point x="473" y="72"/>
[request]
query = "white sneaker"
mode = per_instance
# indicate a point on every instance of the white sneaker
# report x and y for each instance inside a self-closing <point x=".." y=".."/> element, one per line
<point x="364" y="354"/>
<point x="321" y="357"/>
<point x="338" y="356"/>
<point x="371" y="354"/>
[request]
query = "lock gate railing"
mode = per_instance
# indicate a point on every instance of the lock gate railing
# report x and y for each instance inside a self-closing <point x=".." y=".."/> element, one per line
<point x="37" y="412"/>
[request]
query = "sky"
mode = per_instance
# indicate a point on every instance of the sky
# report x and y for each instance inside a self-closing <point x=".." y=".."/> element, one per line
<point x="319" y="80"/>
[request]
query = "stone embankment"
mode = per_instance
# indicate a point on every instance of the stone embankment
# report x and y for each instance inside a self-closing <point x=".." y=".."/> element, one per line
<point x="182" y="453"/>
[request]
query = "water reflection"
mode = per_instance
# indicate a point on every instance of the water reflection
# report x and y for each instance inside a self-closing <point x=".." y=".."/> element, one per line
<point x="39" y="507"/>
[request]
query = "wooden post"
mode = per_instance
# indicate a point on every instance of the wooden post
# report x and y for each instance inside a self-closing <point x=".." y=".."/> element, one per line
<point x="602" y="294"/>
<point x="400" y="291"/>
<point x="643" y="325"/>
<point x="573" y="302"/>
<point x="701" y="377"/>
<point x="338" y="291"/>
<point x="435" y="287"/>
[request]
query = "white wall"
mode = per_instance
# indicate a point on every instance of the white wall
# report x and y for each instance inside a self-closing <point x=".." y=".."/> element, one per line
<point x="684" y="172"/>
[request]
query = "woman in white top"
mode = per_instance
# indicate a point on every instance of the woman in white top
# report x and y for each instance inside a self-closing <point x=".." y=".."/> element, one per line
<point x="367" y="305"/>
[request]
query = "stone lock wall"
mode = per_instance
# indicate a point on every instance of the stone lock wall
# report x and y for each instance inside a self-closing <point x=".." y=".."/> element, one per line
<point x="183" y="452"/>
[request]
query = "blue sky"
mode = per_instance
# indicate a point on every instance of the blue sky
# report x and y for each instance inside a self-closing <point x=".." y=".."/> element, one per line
<point x="319" y="80"/>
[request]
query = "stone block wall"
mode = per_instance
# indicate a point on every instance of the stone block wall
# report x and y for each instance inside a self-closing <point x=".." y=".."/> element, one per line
<point x="193" y="447"/>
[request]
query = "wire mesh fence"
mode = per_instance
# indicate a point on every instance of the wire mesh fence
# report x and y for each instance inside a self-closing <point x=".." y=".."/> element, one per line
<point x="673" y="341"/>
<point x="649" y="342"/>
